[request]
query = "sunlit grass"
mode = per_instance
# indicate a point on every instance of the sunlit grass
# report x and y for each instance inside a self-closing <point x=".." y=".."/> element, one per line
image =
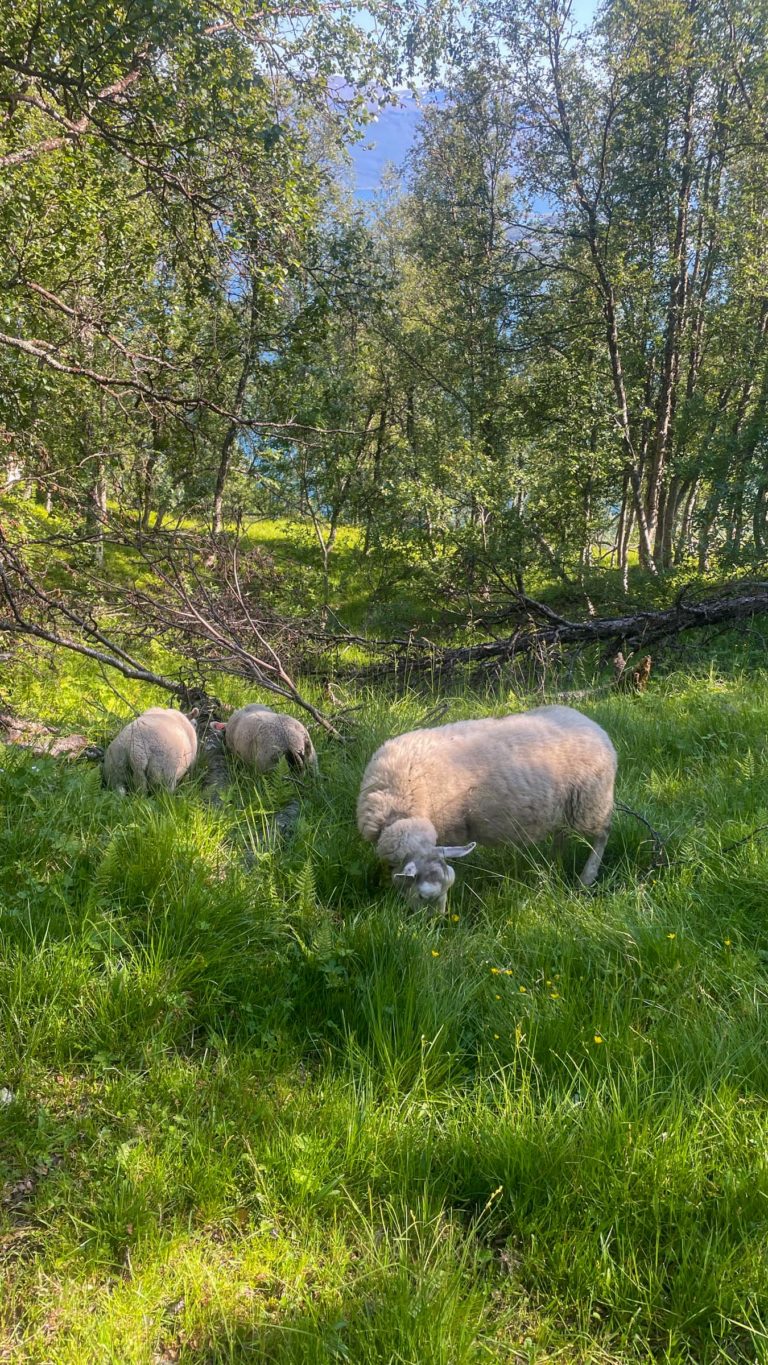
<point x="258" y="1110"/>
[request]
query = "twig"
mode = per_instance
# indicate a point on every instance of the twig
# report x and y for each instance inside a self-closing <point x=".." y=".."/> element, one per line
<point x="738" y="842"/>
<point x="660" y="856"/>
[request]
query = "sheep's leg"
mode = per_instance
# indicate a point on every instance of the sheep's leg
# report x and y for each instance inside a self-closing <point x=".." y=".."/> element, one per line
<point x="592" y="865"/>
<point x="139" y="782"/>
<point x="558" y="845"/>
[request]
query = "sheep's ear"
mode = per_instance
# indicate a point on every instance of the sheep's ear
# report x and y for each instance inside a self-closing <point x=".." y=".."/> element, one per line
<point x="456" y="850"/>
<point x="194" y="713"/>
<point x="218" y="726"/>
<point x="409" y="870"/>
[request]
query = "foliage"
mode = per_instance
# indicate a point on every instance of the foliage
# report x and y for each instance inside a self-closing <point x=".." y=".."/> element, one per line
<point x="543" y="352"/>
<point x="165" y="171"/>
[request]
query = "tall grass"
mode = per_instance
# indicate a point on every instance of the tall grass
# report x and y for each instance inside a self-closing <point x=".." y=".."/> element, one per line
<point x="254" y="1109"/>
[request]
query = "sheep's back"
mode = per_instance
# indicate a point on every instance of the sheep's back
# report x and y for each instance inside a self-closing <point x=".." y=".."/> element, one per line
<point x="261" y="737"/>
<point x="157" y="748"/>
<point x="511" y="778"/>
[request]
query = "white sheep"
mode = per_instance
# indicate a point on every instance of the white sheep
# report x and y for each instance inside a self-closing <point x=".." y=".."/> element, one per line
<point x="434" y="794"/>
<point x="154" y="750"/>
<point x="261" y="737"/>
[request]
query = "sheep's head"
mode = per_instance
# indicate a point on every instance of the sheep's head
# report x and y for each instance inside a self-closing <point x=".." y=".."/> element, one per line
<point x="427" y="878"/>
<point x="419" y="864"/>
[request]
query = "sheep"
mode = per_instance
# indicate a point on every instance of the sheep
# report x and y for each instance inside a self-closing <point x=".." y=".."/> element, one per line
<point x="154" y="750"/>
<point x="261" y="737"/>
<point x="433" y="795"/>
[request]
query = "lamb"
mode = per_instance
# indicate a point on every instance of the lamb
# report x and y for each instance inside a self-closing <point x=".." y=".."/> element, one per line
<point x="261" y="737"/>
<point x="433" y="795"/>
<point x="154" y="751"/>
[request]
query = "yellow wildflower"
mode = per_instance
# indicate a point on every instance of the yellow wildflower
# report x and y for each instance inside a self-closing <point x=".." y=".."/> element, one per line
<point x="435" y="953"/>
<point x="598" y="1039"/>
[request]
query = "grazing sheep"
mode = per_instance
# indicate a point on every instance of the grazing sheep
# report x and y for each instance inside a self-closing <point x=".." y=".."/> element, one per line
<point x="261" y="737"/>
<point x="154" y="750"/>
<point x="427" y="794"/>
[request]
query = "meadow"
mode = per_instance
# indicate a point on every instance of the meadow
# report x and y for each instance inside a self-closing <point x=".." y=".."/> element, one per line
<point x="253" y="1108"/>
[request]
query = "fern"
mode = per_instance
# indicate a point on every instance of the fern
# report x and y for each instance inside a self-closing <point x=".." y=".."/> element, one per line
<point x="306" y="888"/>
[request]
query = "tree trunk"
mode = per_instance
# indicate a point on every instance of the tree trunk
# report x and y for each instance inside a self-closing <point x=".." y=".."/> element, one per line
<point x="377" y="457"/>
<point x="760" y="516"/>
<point x="410" y="420"/>
<point x="97" y="510"/>
<point x="147" y="482"/>
<point x="233" y="429"/>
<point x="623" y="533"/>
<point x="588" y="210"/>
<point x="669" y="507"/>
<point x="616" y="556"/>
<point x="736" y="521"/>
<point x="162" y="512"/>
<point x="584" y="552"/>
<point x="707" y="522"/>
<point x="682" y="545"/>
<point x="675" y="316"/>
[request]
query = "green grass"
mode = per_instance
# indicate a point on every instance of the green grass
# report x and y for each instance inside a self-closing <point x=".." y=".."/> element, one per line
<point x="260" y="1111"/>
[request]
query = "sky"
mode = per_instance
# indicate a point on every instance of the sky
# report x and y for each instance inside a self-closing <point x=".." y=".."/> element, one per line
<point x="388" y="141"/>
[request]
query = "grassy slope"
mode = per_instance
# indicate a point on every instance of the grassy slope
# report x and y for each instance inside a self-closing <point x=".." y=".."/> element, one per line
<point x="259" y="1111"/>
<point x="266" y="1114"/>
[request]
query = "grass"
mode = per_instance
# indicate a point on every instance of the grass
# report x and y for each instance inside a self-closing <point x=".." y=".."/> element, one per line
<point x="256" y="1110"/>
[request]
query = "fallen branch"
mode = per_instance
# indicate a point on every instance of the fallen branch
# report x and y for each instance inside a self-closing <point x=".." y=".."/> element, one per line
<point x="539" y="630"/>
<point x="760" y="829"/>
<point x="45" y="740"/>
<point x="190" y="611"/>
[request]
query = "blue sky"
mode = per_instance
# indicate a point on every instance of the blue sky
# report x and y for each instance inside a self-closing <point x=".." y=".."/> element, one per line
<point x="388" y="140"/>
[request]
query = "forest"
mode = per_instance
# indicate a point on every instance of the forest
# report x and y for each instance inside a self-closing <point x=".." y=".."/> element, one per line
<point x="544" y="347"/>
<point x="493" y="438"/>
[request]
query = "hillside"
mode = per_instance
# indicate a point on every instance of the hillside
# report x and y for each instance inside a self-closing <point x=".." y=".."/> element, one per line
<point x="254" y="1108"/>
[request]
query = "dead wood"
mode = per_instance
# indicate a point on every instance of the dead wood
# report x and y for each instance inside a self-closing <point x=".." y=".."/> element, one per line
<point x="632" y="679"/>
<point x="659" y="857"/>
<point x="46" y="741"/>
<point x="641" y="675"/>
<point x="212" y="766"/>
<point x="542" y="634"/>
<point x="214" y="628"/>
